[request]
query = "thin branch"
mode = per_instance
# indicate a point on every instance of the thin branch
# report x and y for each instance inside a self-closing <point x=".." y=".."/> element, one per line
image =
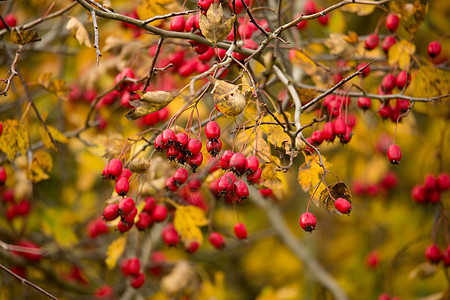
<point x="172" y="14"/>
<point x="278" y="223"/>
<point x="12" y="72"/>
<point x="155" y="58"/>
<point x="97" y="48"/>
<point x="24" y="281"/>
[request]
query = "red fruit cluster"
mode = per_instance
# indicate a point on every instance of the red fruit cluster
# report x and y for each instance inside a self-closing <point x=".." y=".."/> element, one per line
<point x="434" y="255"/>
<point x="179" y="177"/>
<point x="96" y="227"/>
<point x="387" y="183"/>
<point x="114" y="171"/>
<point x="14" y="209"/>
<point x="131" y="267"/>
<point x="430" y="190"/>
<point x="212" y="132"/>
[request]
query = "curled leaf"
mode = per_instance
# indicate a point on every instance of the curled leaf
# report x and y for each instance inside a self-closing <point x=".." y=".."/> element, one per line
<point x="337" y="190"/>
<point x="23" y="37"/>
<point x="228" y="98"/>
<point x="149" y="102"/>
<point x="40" y="166"/>
<point x="213" y="27"/>
<point x="78" y="31"/>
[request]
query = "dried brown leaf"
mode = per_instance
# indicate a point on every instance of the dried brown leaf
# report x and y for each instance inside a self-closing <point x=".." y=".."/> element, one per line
<point x="337" y="190"/>
<point x="23" y="37"/>
<point x="78" y="31"/>
<point x="213" y="27"/>
<point x="149" y="102"/>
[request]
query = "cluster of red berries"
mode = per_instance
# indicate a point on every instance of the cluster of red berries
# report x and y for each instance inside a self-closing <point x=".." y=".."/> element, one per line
<point x="388" y="182"/>
<point x="310" y="8"/>
<point x="308" y="220"/>
<point x="434" y="255"/>
<point x="127" y="85"/>
<point x="114" y="171"/>
<point x="430" y="190"/>
<point x="386" y="296"/>
<point x="15" y="209"/>
<point x="131" y="267"/>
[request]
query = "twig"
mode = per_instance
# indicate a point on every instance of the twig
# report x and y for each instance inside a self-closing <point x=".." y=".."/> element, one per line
<point x="172" y="14"/>
<point x="97" y="48"/>
<point x="24" y="281"/>
<point x="278" y="223"/>
<point x="12" y="71"/>
<point x="155" y="58"/>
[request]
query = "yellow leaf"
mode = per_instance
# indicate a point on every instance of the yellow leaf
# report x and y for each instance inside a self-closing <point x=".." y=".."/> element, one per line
<point x="151" y="8"/>
<point x="359" y="9"/>
<point x="40" y="166"/>
<point x="400" y="53"/>
<point x="78" y="31"/>
<point x="337" y="190"/>
<point x="273" y="179"/>
<point x="115" y="250"/>
<point x="302" y="60"/>
<point x="339" y="46"/>
<point x="13" y="139"/>
<point x="275" y="133"/>
<point x="431" y="82"/>
<point x="23" y="37"/>
<point x="149" y="102"/>
<point x="55" y="133"/>
<point x="56" y="86"/>
<point x="59" y="224"/>
<point x="214" y="290"/>
<point x="213" y="27"/>
<point x="187" y="221"/>
<point x="310" y="173"/>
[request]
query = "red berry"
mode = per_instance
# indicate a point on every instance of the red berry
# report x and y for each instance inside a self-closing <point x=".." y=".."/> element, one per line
<point x="206" y="56"/>
<point x="188" y="68"/>
<point x="138" y="280"/>
<point x="180" y="176"/>
<point x="430" y="182"/>
<point x="310" y="7"/>
<point x="170" y="235"/>
<point x="251" y="164"/>
<point x="124" y="226"/>
<point x="177" y="24"/>
<point x="433" y="196"/>
<point x="126" y="174"/>
<point x="192" y="247"/>
<point x="239" y="5"/>
<point x="159" y="144"/>
<point x="328" y="131"/>
<point x="240" y="231"/>
<point x="225" y="184"/>
<point x="246" y="30"/>
<point x="10" y="19"/>
<point x="194" y="146"/>
<point x="387" y="43"/>
<point x="366" y="71"/>
<point x="249" y="44"/>
<point x="181" y="140"/>
<point x="339" y="126"/>
<point x="343" y="206"/>
<point x="126" y="205"/>
<point x="191" y="23"/>
<point x="168" y="137"/>
<point x="394" y="153"/>
<point x="131" y="266"/>
<point x="240" y="190"/>
<point x="364" y="103"/>
<point x="323" y="19"/>
<point x="172" y="152"/>
<point x="302" y="24"/>
<point x="205" y="4"/>
<point x="307" y="221"/>
<point x="159" y="213"/>
<point x="200" y="48"/>
<point x="446" y="256"/>
<point x="144" y="221"/>
<point x="402" y="79"/>
<point x="402" y="105"/>
<point x="334" y="108"/>
<point x="443" y="181"/>
<point x="237" y="163"/>
<point x="31" y="255"/>
<point x="214" y="146"/>
<point x="149" y="204"/>
<point x="389" y="180"/>
<point x="372" y="41"/>
<point x="104" y="292"/>
<point x="392" y="22"/>
<point x="254" y="178"/>
<point x="317" y="137"/>
<point x="266" y="192"/>
<point x="418" y="194"/>
<point x="114" y="168"/>
<point x="195" y="161"/>
<point x="384" y="296"/>
<point x="23" y="208"/>
<point x="2" y="176"/>
<point x="129" y="218"/>
<point x="385" y="110"/>
<point x="126" y="73"/>
<point x="388" y="83"/>
<point x="372" y="259"/>
<point x="433" y="254"/>
<point x="111" y="212"/>
<point x="122" y="186"/>
<point x="434" y="49"/>
<point x="171" y="185"/>
<point x="212" y="130"/>
<point x="1" y="128"/>
<point x="225" y="159"/>
<point x="217" y="240"/>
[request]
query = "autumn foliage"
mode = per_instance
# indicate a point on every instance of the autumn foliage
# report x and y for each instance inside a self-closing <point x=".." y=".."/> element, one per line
<point x="242" y="149"/>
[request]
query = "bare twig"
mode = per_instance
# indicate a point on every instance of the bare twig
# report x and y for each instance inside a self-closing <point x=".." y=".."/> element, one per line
<point x="172" y="14"/>
<point x="155" y="58"/>
<point x="24" y="281"/>
<point x="97" y="48"/>
<point x="12" y="72"/>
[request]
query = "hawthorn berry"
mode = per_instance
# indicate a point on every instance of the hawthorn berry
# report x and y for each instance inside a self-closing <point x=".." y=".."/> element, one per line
<point x="159" y="213"/>
<point x="251" y="164"/>
<point x="194" y="146"/>
<point x="401" y="105"/>
<point x="249" y="44"/>
<point x="2" y="176"/>
<point x="225" y="159"/>
<point x="195" y="161"/>
<point x="126" y="173"/>
<point x="172" y="152"/>
<point x="328" y="131"/>
<point x="114" y="168"/>
<point x="446" y="256"/>
<point x="129" y="218"/>
<point x="434" y="196"/>
<point x="387" y="43"/>
<point x="392" y="22"/>
<point x="205" y="4"/>
<point x="168" y="137"/>
<point x="188" y="68"/>
<point x="366" y="70"/>
<point x="384" y="296"/>
<point x="200" y="48"/>
<point x="130" y="266"/>
<point x="217" y="240"/>
<point x="239" y="5"/>
<point x="307" y="221"/>
<point x="402" y="79"/>
<point x="182" y="140"/>
<point x="323" y="19"/>
<point x="418" y="194"/>
<point x="10" y="20"/>
<point x="443" y="181"/>
<point x="144" y="221"/>
<point x="180" y="176"/>
<point x="389" y="180"/>
<point x="240" y="190"/>
<point x="225" y="184"/>
<point x="111" y="212"/>
<point x="122" y="186"/>
<point x="316" y="138"/>
<point x="206" y="56"/>
<point x="434" y="49"/>
<point x="240" y="231"/>
<point x="214" y="146"/>
<point x="310" y="7"/>
<point x="388" y="83"/>
<point x="372" y="41"/>
<point x="126" y="205"/>
<point x="266" y="192"/>
<point x="302" y="24"/>
<point x="212" y="130"/>
<point x="254" y="178"/>
<point x="170" y="235"/>
<point x="177" y="24"/>
<point x="394" y="153"/>
<point x="96" y="228"/>
<point x="171" y="185"/>
<point x="430" y="182"/>
<point x="433" y="254"/>
<point x="23" y="208"/>
<point x="126" y="73"/>
<point x="237" y="163"/>
<point x="384" y="110"/>
<point x="364" y="103"/>
<point x="372" y="259"/>
<point x="159" y="144"/>
<point x="343" y="206"/>
<point x="31" y="256"/>
<point x="339" y="126"/>
<point x="138" y="280"/>
<point x="1" y="128"/>
<point x="191" y="23"/>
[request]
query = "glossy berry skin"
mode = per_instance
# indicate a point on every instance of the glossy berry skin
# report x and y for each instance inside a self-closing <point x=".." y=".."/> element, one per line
<point x="339" y="126"/>
<point x="172" y="152"/>
<point x="170" y="235"/>
<point x="171" y="185"/>
<point x="434" y="49"/>
<point x="212" y="130"/>
<point x="402" y="79"/>
<point x="168" y="137"/>
<point x="225" y="159"/>
<point x="159" y="213"/>
<point x="138" y="280"/>
<point x="443" y="181"/>
<point x="225" y="184"/>
<point x="144" y="221"/>
<point x="126" y="205"/>
<point x="388" y="83"/>
<point x="392" y="22"/>
<point x="364" y="103"/>
<point x="2" y="176"/>
<point x="114" y="168"/>
<point x="418" y="194"/>
<point x="192" y="247"/>
<point x="177" y="24"/>
<point x="182" y="140"/>
<point x="122" y="186"/>
<point x="240" y="231"/>
<point x="159" y="144"/>
<point x="323" y="20"/>
<point x="343" y="206"/>
<point x="129" y="218"/>
<point x="240" y="190"/>
<point x="385" y="110"/>
<point x="194" y="146"/>
<point x="195" y="161"/>
<point x="394" y="153"/>
<point x="237" y="163"/>
<point x="433" y="254"/>
<point x="130" y="266"/>
<point x="10" y="19"/>
<point x="255" y="177"/>
<point x="205" y="4"/>
<point x="111" y="212"/>
<point x="328" y="131"/>
<point x="124" y="226"/>
<point x="214" y="146"/>
<point x="302" y="24"/>
<point x="126" y="174"/>
<point x="402" y="105"/>
<point x="317" y="137"/>
<point x="372" y="41"/>
<point x="307" y="221"/>
<point x="310" y="7"/>
<point x="180" y="176"/>
<point x="217" y="240"/>
<point x="387" y="43"/>
<point x="251" y="164"/>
